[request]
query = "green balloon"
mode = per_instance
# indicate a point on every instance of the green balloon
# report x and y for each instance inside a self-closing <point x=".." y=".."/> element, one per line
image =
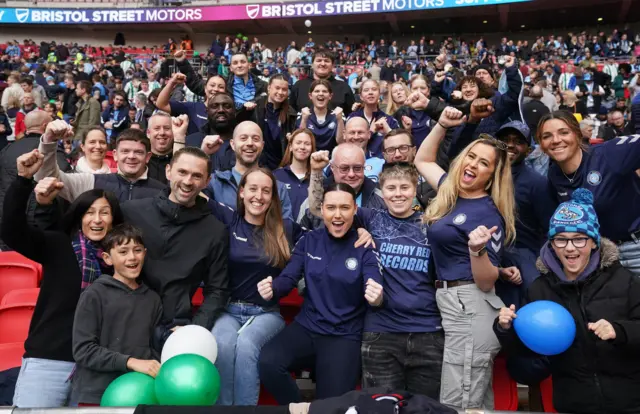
<point x="130" y="390"/>
<point x="188" y="379"/>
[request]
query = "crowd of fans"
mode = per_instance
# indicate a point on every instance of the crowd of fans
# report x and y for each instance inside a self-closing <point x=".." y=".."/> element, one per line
<point x="465" y="169"/>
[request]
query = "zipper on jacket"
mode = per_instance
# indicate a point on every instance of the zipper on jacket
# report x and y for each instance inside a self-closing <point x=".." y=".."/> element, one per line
<point x="594" y="362"/>
<point x="130" y="190"/>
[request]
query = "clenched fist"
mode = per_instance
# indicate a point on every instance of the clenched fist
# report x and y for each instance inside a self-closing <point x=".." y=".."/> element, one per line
<point x="481" y="108"/>
<point x="28" y="164"/>
<point x="451" y="117"/>
<point x="265" y="288"/>
<point x="47" y="190"/>
<point x="506" y="317"/>
<point x="319" y="160"/>
<point x="57" y="130"/>
<point x="211" y="144"/>
<point x="373" y="293"/>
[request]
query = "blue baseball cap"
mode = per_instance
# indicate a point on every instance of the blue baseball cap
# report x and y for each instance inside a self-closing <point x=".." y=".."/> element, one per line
<point x="515" y="126"/>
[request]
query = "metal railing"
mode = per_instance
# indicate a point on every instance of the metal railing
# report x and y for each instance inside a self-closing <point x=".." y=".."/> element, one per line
<point x="183" y="410"/>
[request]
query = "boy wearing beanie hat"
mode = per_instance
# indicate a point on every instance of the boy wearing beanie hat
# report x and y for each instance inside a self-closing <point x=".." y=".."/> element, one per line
<point x="580" y="270"/>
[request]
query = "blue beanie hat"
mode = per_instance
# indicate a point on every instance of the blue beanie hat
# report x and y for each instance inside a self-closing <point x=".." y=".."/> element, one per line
<point x="576" y="216"/>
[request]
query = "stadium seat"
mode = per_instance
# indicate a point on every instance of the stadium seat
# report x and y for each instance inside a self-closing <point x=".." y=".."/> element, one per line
<point x="546" y="389"/>
<point x="15" y="274"/>
<point x="11" y="355"/>
<point x="15" y="257"/>
<point x="14" y="322"/>
<point x="197" y="298"/>
<point x="505" y="389"/>
<point x="21" y="296"/>
<point x="265" y="398"/>
<point x="290" y="306"/>
<point x="108" y="158"/>
<point x="596" y="141"/>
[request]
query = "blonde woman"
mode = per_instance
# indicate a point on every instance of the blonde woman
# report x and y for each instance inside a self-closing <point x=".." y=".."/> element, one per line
<point x="397" y="95"/>
<point x="471" y="221"/>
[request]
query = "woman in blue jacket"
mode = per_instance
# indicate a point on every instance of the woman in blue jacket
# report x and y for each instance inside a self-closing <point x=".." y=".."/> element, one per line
<point x="341" y="283"/>
<point x="608" y="170"/>
<point x="295" y="167"/>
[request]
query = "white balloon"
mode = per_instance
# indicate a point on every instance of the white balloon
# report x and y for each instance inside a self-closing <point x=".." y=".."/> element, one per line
<point x="307" y="23"/>
<point x="190" y="339"/>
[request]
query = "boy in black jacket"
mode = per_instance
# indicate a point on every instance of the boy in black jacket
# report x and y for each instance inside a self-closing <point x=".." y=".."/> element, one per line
<point x="115" y="320"/>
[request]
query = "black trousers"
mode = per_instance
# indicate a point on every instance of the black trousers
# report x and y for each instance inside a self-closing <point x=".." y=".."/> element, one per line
<point x="403" y="361"/>
<point x="337" y="363"/>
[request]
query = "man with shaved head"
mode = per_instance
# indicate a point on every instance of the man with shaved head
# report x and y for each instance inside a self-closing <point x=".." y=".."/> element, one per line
<point x="356" y="132"/>
<point x="247" y="143"/>
<point x="35" y="123"/>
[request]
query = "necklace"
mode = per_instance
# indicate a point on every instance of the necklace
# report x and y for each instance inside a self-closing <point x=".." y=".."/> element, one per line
<point x="572" y="178"/>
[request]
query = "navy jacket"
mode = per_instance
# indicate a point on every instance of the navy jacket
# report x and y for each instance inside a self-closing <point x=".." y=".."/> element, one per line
<point x="120" y="123"/>
<point x="298" y="189"/>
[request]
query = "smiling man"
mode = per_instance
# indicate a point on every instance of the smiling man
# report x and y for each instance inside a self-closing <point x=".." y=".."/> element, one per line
<point x="247" y="145"/>
<point x="132" y="153"/>
<point x="160" y="133"/>
<point x="322" y="69"/>
<point x="186" y="245"/>
<point x="535" y="205"/>
<point x="221" y="122"/>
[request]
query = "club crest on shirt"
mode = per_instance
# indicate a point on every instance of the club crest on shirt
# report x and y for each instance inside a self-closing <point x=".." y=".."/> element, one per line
<point x="594" y="178"/>
<point x="569" y="213"/>
<point x="460" y="219"/>
<point x="332" y="125"/>
<point x="351" y="263"/>
<point x="368" y="167"/>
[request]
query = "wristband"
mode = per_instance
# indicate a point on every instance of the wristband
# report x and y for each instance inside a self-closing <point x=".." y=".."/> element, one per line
<point x="479" y="252"/>
<point x="442" y="125"/>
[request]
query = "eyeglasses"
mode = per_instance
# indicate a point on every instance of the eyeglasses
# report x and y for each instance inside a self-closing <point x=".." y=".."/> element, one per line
<point x="344" y="169"/>
<point x="492" y="141"/>
<point x="578" y="242"/>
<point x="402" y="148"/>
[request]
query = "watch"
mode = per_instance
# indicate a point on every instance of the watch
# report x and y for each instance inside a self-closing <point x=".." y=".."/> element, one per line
<point x="479" y="252"/>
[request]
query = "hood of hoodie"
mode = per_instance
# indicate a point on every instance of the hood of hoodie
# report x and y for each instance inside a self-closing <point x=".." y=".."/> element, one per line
<point x="600" y="259"/>
<point x="179" y="214"/>
<point x="110" y="282"/>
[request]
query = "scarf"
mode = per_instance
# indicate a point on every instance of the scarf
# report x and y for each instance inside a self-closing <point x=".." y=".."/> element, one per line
<point x="83" y="167"/>
<point x="89" y="258"/>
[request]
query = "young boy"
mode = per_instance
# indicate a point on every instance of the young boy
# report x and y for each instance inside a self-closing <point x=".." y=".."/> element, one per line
<point x="115" y="320"/>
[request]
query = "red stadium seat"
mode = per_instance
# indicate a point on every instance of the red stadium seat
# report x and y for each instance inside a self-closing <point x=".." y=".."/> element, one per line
<point x="290" y="306"/>
<point x="15" y="257"/>
<point x="596" y="141"/>
<point x="265" y="398"/>
<point x="14" y="322"/>
<point x="17" y="275"/>
<point x="108" y="158"/>
<point x="505" y="389"/>
<point x="546" y="389"/>
<point x="198" y="298"/>
<point x="11" y="355"/>
<point x="21" y="296"/>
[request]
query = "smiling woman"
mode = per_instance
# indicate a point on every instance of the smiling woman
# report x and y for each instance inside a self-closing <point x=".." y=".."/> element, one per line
<point x="71" y="261"/>
<point x="607" y="170"/>
<point x="470" y="220"/>
<point x="94" y="148"/>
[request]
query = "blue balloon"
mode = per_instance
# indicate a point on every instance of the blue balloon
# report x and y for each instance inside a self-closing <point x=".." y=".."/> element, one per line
<point x="545" y="327"/>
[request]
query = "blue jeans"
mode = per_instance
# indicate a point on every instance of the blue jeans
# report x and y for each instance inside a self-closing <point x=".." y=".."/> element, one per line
<point x="241" y="332"/>
<point x="43" y="383"/>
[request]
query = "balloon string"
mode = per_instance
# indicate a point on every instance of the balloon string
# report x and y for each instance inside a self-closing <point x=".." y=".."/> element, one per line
<point x="247" y="323"/>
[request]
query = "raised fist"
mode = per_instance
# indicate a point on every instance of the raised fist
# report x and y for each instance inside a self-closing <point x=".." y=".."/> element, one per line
<point x="28" y="164"/>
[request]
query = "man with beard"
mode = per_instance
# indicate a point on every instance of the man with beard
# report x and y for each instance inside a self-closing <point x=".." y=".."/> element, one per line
<point x="132" y="154"/>
<point x="187" y="247"/>
<point x="322" y="69"/>
<point x="160" y="132"/>
<point x="247" y="144"/>
<point x="196" y="111"/>
<point x="221" y="121"/>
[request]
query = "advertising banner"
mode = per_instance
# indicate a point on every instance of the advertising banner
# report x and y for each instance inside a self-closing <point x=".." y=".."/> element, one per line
<point x="231" y="12"/>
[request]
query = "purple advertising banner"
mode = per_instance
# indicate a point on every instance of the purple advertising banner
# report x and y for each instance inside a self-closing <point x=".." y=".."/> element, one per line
<point x="231" y="12"/>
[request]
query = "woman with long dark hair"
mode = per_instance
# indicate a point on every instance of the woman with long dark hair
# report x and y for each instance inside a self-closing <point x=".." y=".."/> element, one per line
<point x="327" y="126"/>
<point x="71" y="260"/>
<point x="276" y="119"/>
<point x="608" y="170"/>
<point x="296" y="167"/>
